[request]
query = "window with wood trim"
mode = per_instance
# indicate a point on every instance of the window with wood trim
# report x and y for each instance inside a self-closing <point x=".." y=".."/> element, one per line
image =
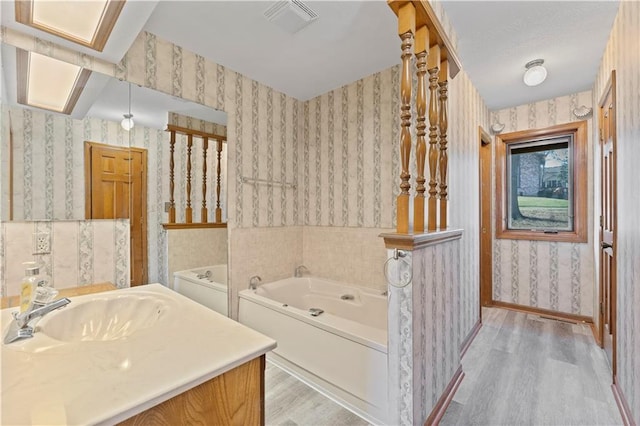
<point x="541" y="184"/>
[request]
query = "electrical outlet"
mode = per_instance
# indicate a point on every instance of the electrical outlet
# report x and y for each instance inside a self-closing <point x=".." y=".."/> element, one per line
<point x="41" y="243"/>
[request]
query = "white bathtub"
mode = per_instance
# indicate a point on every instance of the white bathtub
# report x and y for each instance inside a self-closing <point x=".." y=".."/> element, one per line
<point x="206" y="285"/>
<point x="341" y="352"/>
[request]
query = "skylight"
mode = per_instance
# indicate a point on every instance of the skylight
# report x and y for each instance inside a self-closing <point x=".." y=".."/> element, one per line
<point x="49" y="83"/>
<point x="85" y="22"/>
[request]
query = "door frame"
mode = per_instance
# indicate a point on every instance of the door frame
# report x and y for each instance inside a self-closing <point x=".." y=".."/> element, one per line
<point x="88" y="145"/>
<point x="610" y="88"/>
<point x="485" y="187"/>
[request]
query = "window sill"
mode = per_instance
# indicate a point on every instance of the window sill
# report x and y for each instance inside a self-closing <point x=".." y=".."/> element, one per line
<point x="560" y="236"/>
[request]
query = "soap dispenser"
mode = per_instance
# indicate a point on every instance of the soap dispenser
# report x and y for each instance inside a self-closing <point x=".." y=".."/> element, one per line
<point x="36" y="290"/>
<point x="29" y="285"/>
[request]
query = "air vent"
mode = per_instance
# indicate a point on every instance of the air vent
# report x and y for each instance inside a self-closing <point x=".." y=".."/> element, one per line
<point x="290" y="15"/>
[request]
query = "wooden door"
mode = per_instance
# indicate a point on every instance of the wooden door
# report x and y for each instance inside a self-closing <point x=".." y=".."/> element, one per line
<point x="116" y="188"/>
<point x="486" y="241"/>
<point x="608" y="240"/>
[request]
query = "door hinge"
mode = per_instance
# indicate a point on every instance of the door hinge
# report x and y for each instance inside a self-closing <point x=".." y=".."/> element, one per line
<point x="601" y="309"/>
<point x="600" y="221"/>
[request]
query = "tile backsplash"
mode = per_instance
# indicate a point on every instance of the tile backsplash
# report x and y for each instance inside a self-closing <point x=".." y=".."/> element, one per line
<point x="80" y="252"/>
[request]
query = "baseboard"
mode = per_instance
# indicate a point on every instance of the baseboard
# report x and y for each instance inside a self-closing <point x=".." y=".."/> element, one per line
<point x="444" y="401"/>
<point x="548" y="313"/>
<point x="625" y="411"/>
<point x="469" y="339"/>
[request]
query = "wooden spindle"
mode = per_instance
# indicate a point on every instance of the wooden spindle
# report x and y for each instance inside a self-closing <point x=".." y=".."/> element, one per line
<point x="433" y="63"/>
<point x="422" y="45"/>
<point x="188" y="212"/>
<point x="218" y="208"/>
<point x="406" y="30"/>
<point x="204" y="214"/>
<point x="172" y="201"/>
<point x="443" y="83"/>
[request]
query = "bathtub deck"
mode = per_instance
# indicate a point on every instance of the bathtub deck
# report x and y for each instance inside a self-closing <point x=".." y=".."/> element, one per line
<point x="290" y="402"/>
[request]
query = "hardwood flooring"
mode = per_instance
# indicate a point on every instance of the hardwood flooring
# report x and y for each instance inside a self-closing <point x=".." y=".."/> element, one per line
<point x="289" y="402"/>
<point x="525" y="370"/>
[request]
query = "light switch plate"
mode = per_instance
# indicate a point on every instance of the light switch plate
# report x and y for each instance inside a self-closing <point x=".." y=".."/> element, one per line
<point x="41" y="243"/>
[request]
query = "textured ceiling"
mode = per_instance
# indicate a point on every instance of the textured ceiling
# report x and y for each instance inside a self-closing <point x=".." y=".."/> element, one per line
<point x="497" y="39"/>
<point x="349" y="40"/>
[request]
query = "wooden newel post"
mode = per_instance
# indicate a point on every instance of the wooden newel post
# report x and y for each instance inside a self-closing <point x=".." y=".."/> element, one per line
<point x="421" y="47"/>
<point x="406" y="30"/>
<point x="188" y="212"/>
<point x="172" y="201"/>
<point x="443" y="93"/>
<point x="433" y="63"/>
<point x="204" y="213"/>
<point x="218" y="208"/>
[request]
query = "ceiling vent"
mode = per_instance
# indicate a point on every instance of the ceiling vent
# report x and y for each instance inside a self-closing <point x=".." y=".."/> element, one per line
<point x="290" y="15"/>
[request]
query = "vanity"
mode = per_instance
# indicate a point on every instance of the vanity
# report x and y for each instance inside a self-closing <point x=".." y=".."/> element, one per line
<point x="142" y="355"/>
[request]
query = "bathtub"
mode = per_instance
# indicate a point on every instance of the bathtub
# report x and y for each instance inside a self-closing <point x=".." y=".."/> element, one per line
<point x="342" y="352"/>
<point x="206" y="285"/>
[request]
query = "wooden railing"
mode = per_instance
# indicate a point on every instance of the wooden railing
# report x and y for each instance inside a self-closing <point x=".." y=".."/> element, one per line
<point x="204" y="211"/>
<point x="422" y="35"/>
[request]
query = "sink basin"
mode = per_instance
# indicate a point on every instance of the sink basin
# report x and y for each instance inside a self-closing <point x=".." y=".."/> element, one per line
<point x="104" y="318"/>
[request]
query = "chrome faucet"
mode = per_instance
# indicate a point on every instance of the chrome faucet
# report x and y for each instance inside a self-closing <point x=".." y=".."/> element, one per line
<point x="254" y="281"/>
<point x="300" y="271"/>
<point x="20" y="329"/>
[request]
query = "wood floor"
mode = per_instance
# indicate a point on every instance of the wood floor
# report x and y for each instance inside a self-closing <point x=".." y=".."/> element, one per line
<point x="520" y="370"/>
<point x="525" y="370"/>
<point x="289" y="402"/>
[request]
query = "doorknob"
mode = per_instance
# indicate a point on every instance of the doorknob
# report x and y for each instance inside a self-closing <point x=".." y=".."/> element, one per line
<point x="604" y="245"/>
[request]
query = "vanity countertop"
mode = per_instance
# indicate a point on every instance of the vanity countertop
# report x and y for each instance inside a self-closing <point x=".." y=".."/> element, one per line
<point x="104" y="382"/>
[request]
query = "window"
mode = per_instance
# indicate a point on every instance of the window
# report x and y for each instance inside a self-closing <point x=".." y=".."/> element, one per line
<point x="541" y="184"/>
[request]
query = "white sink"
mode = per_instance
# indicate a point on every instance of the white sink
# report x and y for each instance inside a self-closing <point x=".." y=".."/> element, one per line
<point x="105" y="317"/>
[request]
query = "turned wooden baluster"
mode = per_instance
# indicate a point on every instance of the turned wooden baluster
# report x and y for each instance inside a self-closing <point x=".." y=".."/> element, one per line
<point x="188" y="212"/>
<point x="406" y="30"/>
<point x="443" y="92"/>
<point x="204" y="214"/>
<point x="421" y="47"/>
<point x="172" y="201"/>
<point x="433" y="63"/>
<point x="218" y="208"/>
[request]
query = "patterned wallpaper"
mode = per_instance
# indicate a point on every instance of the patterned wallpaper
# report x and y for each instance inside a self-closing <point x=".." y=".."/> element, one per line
<point x="82" y="252"/>
<point x="350" y="169"/>
<point x="622" y="55"/>
<point x="51" y="173"/>
<point x="423" y="359"/>
<point x="549" y="275"/>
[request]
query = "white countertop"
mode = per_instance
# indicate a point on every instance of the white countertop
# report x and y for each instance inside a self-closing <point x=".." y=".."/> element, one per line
<point x="104" y="382"/>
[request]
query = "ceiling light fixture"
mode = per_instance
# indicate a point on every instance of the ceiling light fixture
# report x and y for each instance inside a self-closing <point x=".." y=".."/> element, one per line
<point x="127" y="122"/>
<point x="535" y="73"/>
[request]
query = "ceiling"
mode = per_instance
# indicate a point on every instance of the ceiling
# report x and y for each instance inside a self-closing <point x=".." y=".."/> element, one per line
<point x="497" y="38"/>
<point x="353" y="39"/>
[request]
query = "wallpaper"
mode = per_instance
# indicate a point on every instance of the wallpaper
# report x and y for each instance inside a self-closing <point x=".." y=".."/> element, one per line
<point x="550" y="275"/>
<point x="350" y="174"/>
<point x="49" y="170"/>
<point x="623" y="56"/>
<point x="423" y="360"/>
<point x="81" y="252"/>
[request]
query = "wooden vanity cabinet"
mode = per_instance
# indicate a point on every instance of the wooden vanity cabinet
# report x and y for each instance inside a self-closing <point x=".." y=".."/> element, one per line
<point x="233" y="398"/>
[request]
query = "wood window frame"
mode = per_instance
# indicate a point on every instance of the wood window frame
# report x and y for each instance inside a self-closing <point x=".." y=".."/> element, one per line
<point x="579" y="234"/>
